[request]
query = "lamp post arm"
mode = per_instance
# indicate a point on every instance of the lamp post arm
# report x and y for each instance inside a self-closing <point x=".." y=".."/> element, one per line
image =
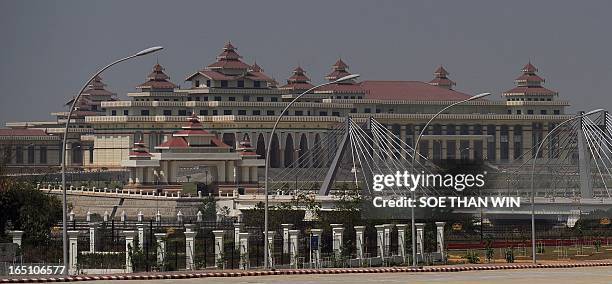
<point x="533" y="165"/>
<point x="63" y="158"/>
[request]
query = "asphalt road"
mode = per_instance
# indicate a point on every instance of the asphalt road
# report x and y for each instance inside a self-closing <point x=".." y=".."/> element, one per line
<point x="590" y="275"/>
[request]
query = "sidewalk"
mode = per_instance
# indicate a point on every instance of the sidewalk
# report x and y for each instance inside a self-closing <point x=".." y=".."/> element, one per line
<point x="241" y="273"/>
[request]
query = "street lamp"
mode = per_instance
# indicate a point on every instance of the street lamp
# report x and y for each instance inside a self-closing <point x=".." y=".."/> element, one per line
<point x="72" y="107"/>
<point x="533" y="237"/>
<point x="345" y="78"/>
<point x="416" y="145"/>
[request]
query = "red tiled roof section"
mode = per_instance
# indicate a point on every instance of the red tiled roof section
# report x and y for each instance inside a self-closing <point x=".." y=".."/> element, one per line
<point x="530" y="91"/>
<point x="175" y="142"/>
<point x="342" y="89"/>
<point x="298" y="81"/>
<point x="409" y="90"/>
<point x="157" y="79"/>
<point x="22" y="132"/>
<point x="229" y="58"/>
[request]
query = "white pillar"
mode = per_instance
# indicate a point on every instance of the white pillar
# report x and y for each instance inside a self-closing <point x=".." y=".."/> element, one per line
<point x="420" y="230"/>
<point x="286" y="228"/>
<point x="92" y="236"/>
<point x="129" y="244"/>
<point x="380" y="240"/>
<point x="219" y="235"/>
<point x="387" y="236"/>
<point x="237" y="235"/>
<point x="141" y="238"/>
<point x="293" y="246"/>
<point x="315" y="247"/>
<point x="244" y="250"/>
<point x="253" y="174"/>
<point x="73" y="252"/>
<point x="17" y="237"/>
<point x="189" y="247"/>
<point x="359" y="241"/>
<point x="271" y="248"/>
<point x="440" y="237"/>
<point x="161" y="247"/>
<point x="337" y="235"/>
<point x="401" y="239"/>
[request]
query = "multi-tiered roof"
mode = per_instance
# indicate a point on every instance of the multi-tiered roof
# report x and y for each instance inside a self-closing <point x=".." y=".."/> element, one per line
<point x="441" y="79"/>
<point x="339" y="70"/>
<point x="157" y="80"/>
<point x="529" y="84"/>
<point x="298" y="81"/>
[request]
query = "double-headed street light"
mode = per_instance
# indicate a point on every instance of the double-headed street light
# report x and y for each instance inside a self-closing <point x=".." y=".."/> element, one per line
<point x="533" y="236"/>
<point x="278" y="119"/>
<point x="65" y="138"/>
<point x="416" y="145"/>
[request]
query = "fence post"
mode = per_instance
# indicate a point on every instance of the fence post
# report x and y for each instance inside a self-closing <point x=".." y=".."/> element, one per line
<point x="270" y="241"/>
<point x="337" y="236"/>
<point x="420" y="228"/>
<point x="380" y="240"/>
<point x="401" y="240"/>
<point x="293" y="247"/>
<point x="73" y="251"/>
<point x="440" y="237"/>
<point x="244" y="250"/>
<point x="359" y="232"/>
<point x="237" y="227"/>
<point x="219" y="235"/>
<point x="286" y="228"/>
<point x="129" y="244"/>
<point x="189" y="247"/>
<point x="161" y="248"/>
<point x="92" y="236"/>
<point x="315" y="247"/>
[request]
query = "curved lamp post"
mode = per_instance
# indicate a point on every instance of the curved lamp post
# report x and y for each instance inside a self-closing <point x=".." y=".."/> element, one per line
<point x="278" y="119"/>
<point x="416" y="145"/>
<point x="533" y="237"/>
<point x="72" y="106"/>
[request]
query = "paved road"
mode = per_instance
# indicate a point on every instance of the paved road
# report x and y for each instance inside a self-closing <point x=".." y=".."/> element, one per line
<point x="590" y="275"/>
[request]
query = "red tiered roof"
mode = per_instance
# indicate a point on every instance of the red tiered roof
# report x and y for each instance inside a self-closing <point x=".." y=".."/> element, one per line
<point x="338" y="71"/>
<point x="441" y="79"/>
<point x="529" y="83"/>
<point x="157" y="79"/>
<point x="140" y="150"/>
<point x="298" y="81"/>
<point x="192" y="128"/>
<point x="229" y="58"/>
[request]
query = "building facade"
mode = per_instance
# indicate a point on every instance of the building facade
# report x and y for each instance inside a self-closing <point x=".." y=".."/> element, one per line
<point x="235" y="101"/>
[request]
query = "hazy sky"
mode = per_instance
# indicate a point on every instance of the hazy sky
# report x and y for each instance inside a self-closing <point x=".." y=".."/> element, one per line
<point x="49" y="48"/>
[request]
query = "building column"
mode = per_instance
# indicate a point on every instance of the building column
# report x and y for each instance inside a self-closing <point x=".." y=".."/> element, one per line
<point x="244" y="250"/>
<point x="229" y="171"/>
<point x="497" y="143"/>
<point x="219" y="235"/>
<point x="401" y="239"/>
<point x="245" y="176"/>
<point x="420" y="228"/>
<point x="286" y="228"/>
<point x="253" y="175"/>
<point x="359" y="241"/>
<point x="161" y="247"/>
<point x="380" y="240"/>
<point x="17" y="237"/>
<point x="73" y="251"/>
<point x="220" y="178"/>
<point x="510" y="142"/>
<point x="189" y="247"/>
<point x="440" y="237"/>
<point x="129" y="244"/>
<point x="337" y="236"/>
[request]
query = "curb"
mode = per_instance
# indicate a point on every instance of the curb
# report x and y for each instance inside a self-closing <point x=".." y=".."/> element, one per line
<point x="295" y="272"/>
